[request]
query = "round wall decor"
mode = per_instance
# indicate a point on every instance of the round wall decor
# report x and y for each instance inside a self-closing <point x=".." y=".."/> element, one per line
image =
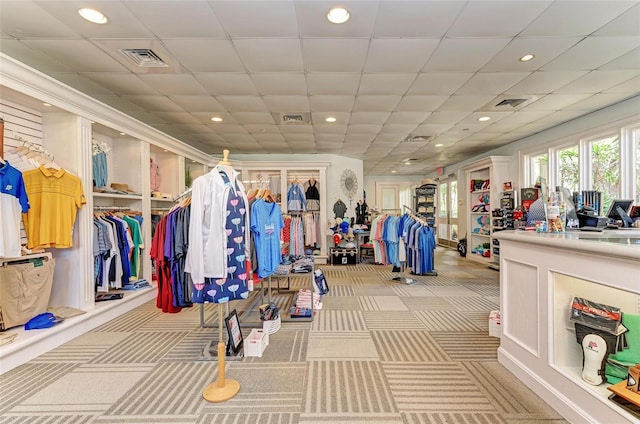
<point x="349" y="183"/>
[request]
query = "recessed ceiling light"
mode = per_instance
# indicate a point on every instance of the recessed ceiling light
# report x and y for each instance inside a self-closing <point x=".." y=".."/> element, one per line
<point x="330" y="119"/>
<point x="165" y="150"/>
<point x="393" y="172"/>
<point x="338" y="15"/>
<point x="484" y="118"/>
<point x="527" y="57"/>
<point x="216" y="119"/>
<point x="407" y="163"/>
<point x="122" y="133"/>
<point x="93" y="15"/>
<point x="46" y="104"/>
<point x="439" y="145"/>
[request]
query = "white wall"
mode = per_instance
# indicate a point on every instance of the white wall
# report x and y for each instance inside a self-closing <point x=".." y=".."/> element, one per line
<point x="371" y="180"/>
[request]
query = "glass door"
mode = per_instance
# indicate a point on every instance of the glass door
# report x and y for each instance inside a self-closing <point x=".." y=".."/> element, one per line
<point x="447" y="219"/>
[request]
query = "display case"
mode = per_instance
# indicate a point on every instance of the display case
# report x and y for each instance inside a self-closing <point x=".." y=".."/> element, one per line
<point x="425" y="203"/>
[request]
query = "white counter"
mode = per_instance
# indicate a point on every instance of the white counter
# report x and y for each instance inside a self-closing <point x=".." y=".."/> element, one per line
<point x="539" y="275"/>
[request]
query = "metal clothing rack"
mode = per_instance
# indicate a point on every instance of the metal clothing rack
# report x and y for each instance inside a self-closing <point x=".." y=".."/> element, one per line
<point x="185" y="193"/>
<point x="111" y="208"/>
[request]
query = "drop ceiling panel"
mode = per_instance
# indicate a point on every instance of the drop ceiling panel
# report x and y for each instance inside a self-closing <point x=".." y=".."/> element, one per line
<point x="39" y="25"/>
<point x="399" y="55"/>
<point x="341" y="118"/>
<point x="362" y="139"/>
<point x="193" y="128"/>
<point x="224" y="129"/>
<point x="464" y="54"/>
<point x="402" y="129"/>
<point x="269" y="137"/>
<point x="415" y="18"/>
<point x="154" y="103"/>
<point x="82" y="83"/>
<point x="165" y="18"/>
<point x="435" y="83"/>
<point x="122" y="23"/>
<point x="119" y="103"/>
<point x="313" y="22"/>
<point x="495" y="18"/>
<point x="567" y="18"/>
<point x="227" y="83"/>
<point x="280" y="84"/>
<point x="631" y="86"/>
<point x="544" y="82"/>
<point x="171" y="84"/>
<point x="331" y="103"/>
<point x="290" y="104"/>
<point x="592" y="53"/>
<point x="373" y="103"/>
<point x="340" y="55"/>
<point x="79" y="55"/>
<point x="198" y="104"/>
<point x="407" y="117"/>
<point x="431" y="129"/>
<point x="178" y="117"/>
<point x="376" y="118"/>
<point x="554" y="102"/>
<point x="448" y="117"/>
<point x="253" y="118"/>
<point x="205" y="55"/>
<point x="544" y="48"/>
<point x="363" y="129"/>
<point x="243" y="103"/>
<point x="295" y="129"/>
<point x="213" y="139"/>
<point x="122" y="83"/>
<point x="205" y="117"/>
<point x="330" y="129"/>
<point x="629" y="60"/>
<point x="466" y="103"/>
<point x="332" y="83"/>
<point x="420" y="103"/>
<point x="385" y="83"/>
<point x="598" y="101"/>
<point x="270" y="55"/>
<point x="491" y="82"/>
<point x="625" y="24"/>
<point x="257" y="18"/>
<point x="298" y="138"/>
<point x="19" y="51"/>
<point x="597" y="81"/>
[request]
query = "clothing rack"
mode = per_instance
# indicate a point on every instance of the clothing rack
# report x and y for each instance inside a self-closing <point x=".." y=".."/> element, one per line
<point x="185" y="193"/>
<point x="111" y="208"/>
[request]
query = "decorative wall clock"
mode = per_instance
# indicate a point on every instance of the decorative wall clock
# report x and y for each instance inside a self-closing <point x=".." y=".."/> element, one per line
<point x="349" y="183"/>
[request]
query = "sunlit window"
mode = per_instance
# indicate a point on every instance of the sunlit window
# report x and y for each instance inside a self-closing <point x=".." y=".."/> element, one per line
<point x="605" y="168"/>
<point x="454" y="200"/>
<point x="569" y="168"/>
<point x="442" y="204"/>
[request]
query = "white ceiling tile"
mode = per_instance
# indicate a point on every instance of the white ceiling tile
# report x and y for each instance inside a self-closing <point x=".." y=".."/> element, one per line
<point x="448" y="117"/>
<point x="328" y="138"/>
<point x="312" y="19"/>
<point x="179" y="117"/>
<point x="205" y="55"/>
<point x="592" y="52"/>
<point x="544" y="82"/>
<point x="399" y="55"/>
<point x="240" y="138"/>
<point x="329" y="129"/>
<point x="332" y="83"/>
<point x="415" y="18"/>
<point x="375" y="103"/>
<point x="280" y="83"/>
<point x="166" y="18"/>
<point x="296" y="129"/>
<point x="631" y="86"/>
<point x="243" y="103"/>
<point x="253" y="118"/>
<point x="554" y="102"/>
<point x="340" y="55"/>
<point x="575" y="17"/>
<point x="434" y="83"/>
<point x="398" y="128"/>
<point x="341" y="117"/>
<point x="331" y="103"/>
<point x="364" y="129"/>
<point x="407" y="117"/>
<point x="377" y="118"/>
<point x="495" y="18"/>
<point x="122" y="23"/>
<point x="464" y="54"/>
<point x="209" y="138"/>
<point x="154" y="103"/>
<point x="420" y="103"/>
<point x="385" y="83"/>
<point x="598" y="101"/>
<point x="270" y="55"/>
<point x="630" y="60"/>
<point x="288" y="104"/>
<point x="544" y="48"/>
<point x="169" y="84"/>
<point x="122" y="83"/>
<point x="364" y="139"/>
<point x="226" y="83"/>
<point x="257" y="18"/>
<point x="269" y="137"/>
<point x="147" y="117"/>
<point x="79" y="55"/>
<point x="491" y="82"/>
<point x="198" y="103"/>
<point x="625" y="24"/>
<point x="119" y="103"/>
<point x="19" y="51"/>
<point x="299" y="138"/>
<point x="193" y="128"/>
<point x="82" y="83"/>
<point x="262" y="128"/>
<point x="597" y="81"/>
<point x="472" y="119"/>
<point x="40" y="24"/>
<point x="205" y="117"/>
<point x="226" y="129"/>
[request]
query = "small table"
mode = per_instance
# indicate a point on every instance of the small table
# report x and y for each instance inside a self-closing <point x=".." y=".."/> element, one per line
<point x="361" y="238"/>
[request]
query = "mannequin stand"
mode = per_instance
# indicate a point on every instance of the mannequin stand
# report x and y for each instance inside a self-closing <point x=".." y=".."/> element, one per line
<point x="221" y="390"/>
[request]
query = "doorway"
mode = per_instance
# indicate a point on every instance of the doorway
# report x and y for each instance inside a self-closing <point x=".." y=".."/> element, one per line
<point x="447" y="217"/>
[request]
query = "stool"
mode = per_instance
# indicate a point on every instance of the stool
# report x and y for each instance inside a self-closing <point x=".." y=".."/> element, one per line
<point x="366" y="251"/>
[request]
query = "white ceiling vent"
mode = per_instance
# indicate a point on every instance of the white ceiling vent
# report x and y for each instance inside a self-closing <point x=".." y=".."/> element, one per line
<point x="418" y="139"/>
<point x="509" y="103"/>
<point x="144" y="58"/>
<point x="292" y="118"/>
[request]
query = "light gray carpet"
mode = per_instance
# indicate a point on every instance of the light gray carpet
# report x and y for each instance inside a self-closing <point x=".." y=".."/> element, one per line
<point x="379" y="352"/>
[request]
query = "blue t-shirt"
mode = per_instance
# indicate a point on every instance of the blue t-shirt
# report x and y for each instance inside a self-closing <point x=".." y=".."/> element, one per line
<point x="266" y="224"/>
<point x="11" y="183"/>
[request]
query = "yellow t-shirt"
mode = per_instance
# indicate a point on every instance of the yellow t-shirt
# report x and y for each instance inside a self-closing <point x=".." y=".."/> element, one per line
<point x="55" y="197"/>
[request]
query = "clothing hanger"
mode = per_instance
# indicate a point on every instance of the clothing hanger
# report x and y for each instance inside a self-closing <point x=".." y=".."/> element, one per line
<point x="2" y="161"/>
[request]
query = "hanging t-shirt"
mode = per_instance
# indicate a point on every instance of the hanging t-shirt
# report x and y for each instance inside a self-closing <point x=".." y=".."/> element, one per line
<point x="13" y="201"/>
<point x="55" y="197"/>
<point x="313" y="196"/>
<point x="155" y="176"/>
<point x="266" y="224"/>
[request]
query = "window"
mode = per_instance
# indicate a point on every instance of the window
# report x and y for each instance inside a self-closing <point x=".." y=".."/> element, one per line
<point x="442" y="204"/>
<point x="636" y="142"/>
<point x="454" y="201"/>
<point x="568" y="167"/>
<point x="538" y="167"/>
<point x="605" y="168"/>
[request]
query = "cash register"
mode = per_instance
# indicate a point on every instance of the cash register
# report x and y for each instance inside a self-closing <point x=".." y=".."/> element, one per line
<point x="618" y="215"/>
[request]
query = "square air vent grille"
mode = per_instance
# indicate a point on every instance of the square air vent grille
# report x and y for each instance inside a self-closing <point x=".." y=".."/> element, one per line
<point x="144" y="58"/>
